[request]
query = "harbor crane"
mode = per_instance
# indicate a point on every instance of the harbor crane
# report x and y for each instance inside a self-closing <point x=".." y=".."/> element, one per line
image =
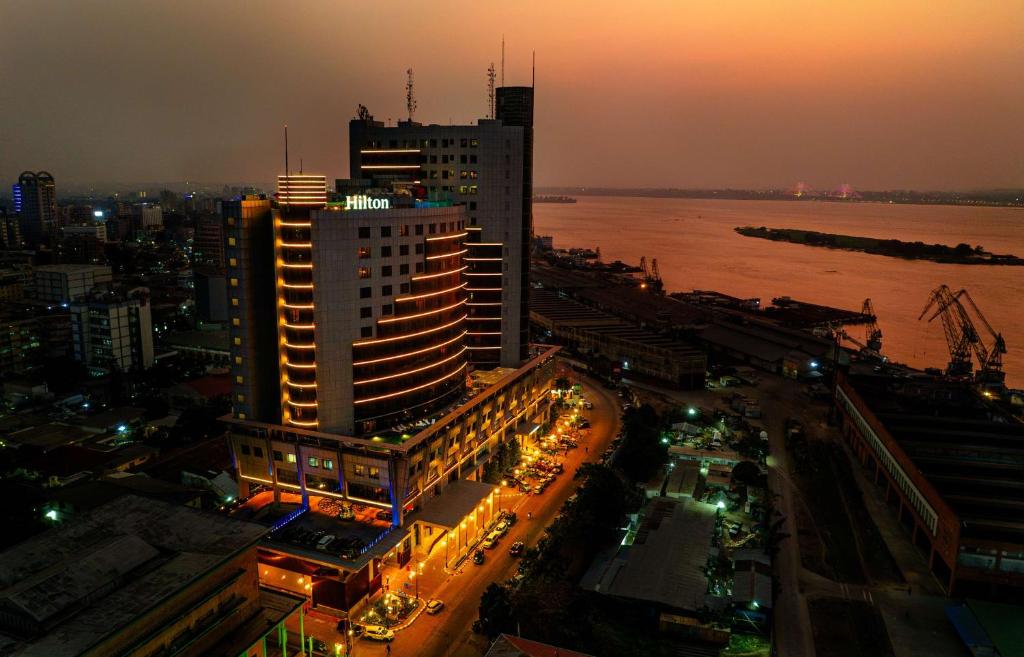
<point x="963" y="338"/>
<point x="651" y="275"/>
<point x="871" y="345"/>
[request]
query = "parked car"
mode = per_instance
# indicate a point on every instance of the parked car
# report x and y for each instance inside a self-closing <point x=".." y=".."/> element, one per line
<point x="510" y="517"/>
<point x="491" y="540"/>
<point x="344" y="626"/>
<point x="478" y="557"/>
<point x="434" y="607"/>
<point x="516" y="548"/>
<point x="501" y="528"/>
<point x="378" y="633"/>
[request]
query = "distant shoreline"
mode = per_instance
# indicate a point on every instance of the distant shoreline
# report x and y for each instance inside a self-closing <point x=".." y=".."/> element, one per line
<point x="996" y="198"/>
<point x="961" y="254"/>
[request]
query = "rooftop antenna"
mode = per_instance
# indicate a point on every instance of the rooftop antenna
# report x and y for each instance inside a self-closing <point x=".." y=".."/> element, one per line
<point x="533" y="71"/>
<point x="300" y="166"/>
<point x="286" y="172"/>
<point x="490" y="91"/>
<point x="410" y="98"/>
<point x="503" y="60"/>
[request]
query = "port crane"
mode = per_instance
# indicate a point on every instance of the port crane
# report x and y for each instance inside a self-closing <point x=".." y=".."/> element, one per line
<point x="871" y="345"/>
<point x="652" y="276"/>
<point x="963" y="338"/>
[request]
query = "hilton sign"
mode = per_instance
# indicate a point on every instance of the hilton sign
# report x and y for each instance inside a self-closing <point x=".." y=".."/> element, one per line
<point x="364" y="202"/>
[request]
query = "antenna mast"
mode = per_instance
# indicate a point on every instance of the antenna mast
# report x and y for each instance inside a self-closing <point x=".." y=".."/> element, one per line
<point x="503" y="60"/>
<point x="410" y="98"/>
<point x="287" y="175"/>
<point x="533" y="71"/>
<point x="490" y="91"/>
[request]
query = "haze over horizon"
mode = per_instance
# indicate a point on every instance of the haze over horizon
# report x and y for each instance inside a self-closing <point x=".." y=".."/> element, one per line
<point x="880" y="95"/>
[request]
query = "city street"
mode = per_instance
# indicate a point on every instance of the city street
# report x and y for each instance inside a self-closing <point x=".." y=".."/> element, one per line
<point x="449" y="633"/>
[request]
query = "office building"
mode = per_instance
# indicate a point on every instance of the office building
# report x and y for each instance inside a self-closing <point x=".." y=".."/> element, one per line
<point x="10" y="232"/>
<point x="150" y="216"/>
<point x="208" y="243"/>
<point x="488" y="167"/>
<point x="139" y="577"/>
<point x="35" y="203"/>
<point x="65" y="283"/>
<point x="113" y="330"/>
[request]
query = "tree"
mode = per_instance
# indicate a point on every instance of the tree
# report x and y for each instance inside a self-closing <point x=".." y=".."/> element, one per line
<point x="746" y="472"/>
<point x="496" y="611"/>
<point x="641" y="452"/>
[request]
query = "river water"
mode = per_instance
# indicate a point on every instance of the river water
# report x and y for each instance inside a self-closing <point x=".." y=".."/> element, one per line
<point x="697" y="248"/>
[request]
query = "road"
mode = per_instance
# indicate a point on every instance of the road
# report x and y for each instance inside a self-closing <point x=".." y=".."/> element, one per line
<point x="449" y="633"/>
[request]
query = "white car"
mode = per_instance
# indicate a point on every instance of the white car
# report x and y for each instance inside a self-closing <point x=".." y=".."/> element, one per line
<point x="378" y="633"/>
<point x="434" y="607"/>
<point x="491" y="540"/>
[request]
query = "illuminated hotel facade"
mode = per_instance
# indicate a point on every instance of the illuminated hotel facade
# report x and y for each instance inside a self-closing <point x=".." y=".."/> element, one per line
<point x="354" y="307"/>
<point x="488" y="167"/>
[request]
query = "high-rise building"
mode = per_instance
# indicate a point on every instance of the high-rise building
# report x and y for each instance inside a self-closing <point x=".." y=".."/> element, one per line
<point x="249" y="254"/>
<point x="208" y="244"/>
<point x="10" y="232"/>
<point x="35" y="203"/>
<point x="64" y="283"/>
<point x="488" y="167"/>
<point x="113" y="330"/>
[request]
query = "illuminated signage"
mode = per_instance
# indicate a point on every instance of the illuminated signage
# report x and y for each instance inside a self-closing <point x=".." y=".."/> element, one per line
<point x="364" y="202"/>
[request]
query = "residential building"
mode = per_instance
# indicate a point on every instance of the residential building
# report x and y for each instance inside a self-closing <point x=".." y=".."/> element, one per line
<point x="64" y="283"/>
<point x="113" y="330"/>
<point x="150" y="216"/>
<point x="10" y="232"/>
<point x="35" y="204"/>
<point x="488" y="167"/>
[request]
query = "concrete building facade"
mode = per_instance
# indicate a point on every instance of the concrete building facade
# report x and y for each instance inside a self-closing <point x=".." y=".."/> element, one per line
<point x="113" y="330"/>
<point x="65" y="283"/>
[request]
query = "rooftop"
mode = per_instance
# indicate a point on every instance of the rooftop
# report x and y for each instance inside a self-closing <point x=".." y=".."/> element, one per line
<point x="507" y="645"/>
<point x="86" y="579"/>
<point x="665" y="562"/>
<point x="971" y="452"/>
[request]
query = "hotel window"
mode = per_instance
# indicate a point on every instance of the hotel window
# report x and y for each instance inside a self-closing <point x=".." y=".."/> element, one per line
<point x="366" y="331"/>
<point x="444" y="143"/>
<point x="433" y="174"/>
<point x="473" y="143"/>
<point x="328" y="464"/>
<point x="374" y="473"/>
<point x="278" y="456"/>
<point x="385" y="231"/>
<point x="313" y="461"/>
<point x="463" y="189"/>
<point x="232" y="241"/>
<point x="239" y="379"/>
<point x="433" y="143"/>
<point x="387" y="310"/>
<point x="403" y="230"/>
<point x="291" y="457"/>
<point x="386" y="290"/>
<point x="364" y="272"/>
<point x="233" y="262"/>
<point x="365" y="292"/>
<point x="444" y="174"/>
<point x="419" y="229"/>
<point x="238" y="341"/>
<point x="257" y="452"/>
<point x="366" y="312"/>
<point x="240" y="398"/>
<point x="364" y="232"/>
<point x="404" y="287"/>
<point x="419" y="247"/>
<point x="419" y="267"/>
<point x="472" y="159"/>
<point x="235" y="321"/>
<point x="463" y="174"/>
<point x="238" y="360"/>
<point x="424" y="143"/>
<point x="432" y="228"/>
<point x="364" y="252"/>
<point x="231" y="221"/>
<point x="234" y="282"/>
<point x="463" y="142"/>
<point x="359" y="469"/>
<point x="472" y="205"/>
<point x="403" y="249"/>
<point x="241" y="416"/>
<point x="472" y="175"/>
<point x="403" y="269"/>
<point x="433" y="159"/>
<point x="245" y="450"/>
<point x="472" y="189"/>
<point x="234" y="301"/>
<point x="385" y="271"/>
<point x="385" y="251"/>
<point x="463" y="159"/>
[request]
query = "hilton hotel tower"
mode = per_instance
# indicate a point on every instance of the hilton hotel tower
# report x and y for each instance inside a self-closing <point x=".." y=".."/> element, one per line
<point x="488" y="167"/>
